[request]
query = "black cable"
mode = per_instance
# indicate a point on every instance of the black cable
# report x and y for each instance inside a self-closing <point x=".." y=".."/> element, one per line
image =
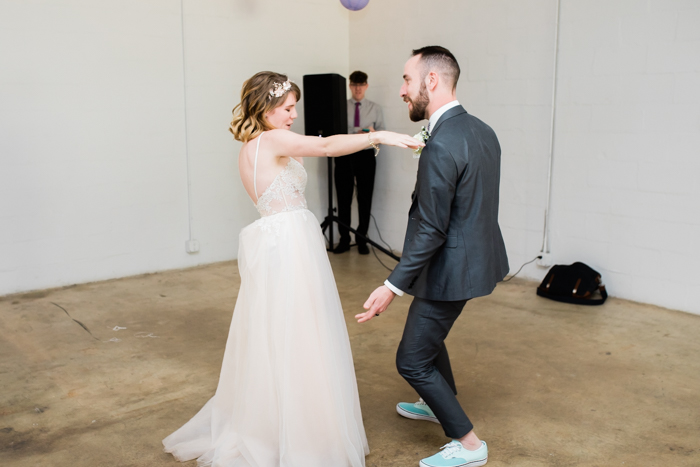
<point x="383" y="241"/>
<point x="380" y="234"/>
<point x="380" y="261"/>
<point x="392" y="250"/>
<point x="521" y="267"/>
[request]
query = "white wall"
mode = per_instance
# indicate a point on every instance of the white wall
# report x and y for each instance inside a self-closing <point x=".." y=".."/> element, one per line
<point x="625" y="190"/>
<point x="93" y="169"/>
<point x="628" y="127"/>
<point x="505" y="52"/>
<point x="226" y="43"/>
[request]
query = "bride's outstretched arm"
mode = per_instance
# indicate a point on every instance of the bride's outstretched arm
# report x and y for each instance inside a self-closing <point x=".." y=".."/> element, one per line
<point x="288" y="143"/>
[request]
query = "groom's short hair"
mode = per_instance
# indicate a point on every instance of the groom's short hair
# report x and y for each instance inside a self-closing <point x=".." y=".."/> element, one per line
<point x="434" y="57"/>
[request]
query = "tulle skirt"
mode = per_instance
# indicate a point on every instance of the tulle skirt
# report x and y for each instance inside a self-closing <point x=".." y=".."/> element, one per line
<point x="287" y="394"/>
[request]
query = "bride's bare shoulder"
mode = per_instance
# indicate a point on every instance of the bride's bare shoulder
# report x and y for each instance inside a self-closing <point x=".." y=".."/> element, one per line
<point x="281" y="136"/>
<point x="276" y="144"/>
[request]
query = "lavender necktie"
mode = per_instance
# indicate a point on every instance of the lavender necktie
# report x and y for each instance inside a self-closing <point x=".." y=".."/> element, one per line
<point x="357" y="115"/>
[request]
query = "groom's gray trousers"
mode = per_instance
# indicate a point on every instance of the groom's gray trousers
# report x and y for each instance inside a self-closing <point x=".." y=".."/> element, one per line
<point x="423" y="361"/>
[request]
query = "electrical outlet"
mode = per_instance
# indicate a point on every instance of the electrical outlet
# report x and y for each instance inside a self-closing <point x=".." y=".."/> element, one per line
<point x="192" y="246"/>
<point x="545" y="260"/>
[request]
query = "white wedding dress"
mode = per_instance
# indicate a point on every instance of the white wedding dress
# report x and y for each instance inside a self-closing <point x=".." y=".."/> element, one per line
<point x="287" y="394"/>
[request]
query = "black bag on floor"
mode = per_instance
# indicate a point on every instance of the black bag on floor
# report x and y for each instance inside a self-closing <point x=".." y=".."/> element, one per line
<point x="575" y="283"/>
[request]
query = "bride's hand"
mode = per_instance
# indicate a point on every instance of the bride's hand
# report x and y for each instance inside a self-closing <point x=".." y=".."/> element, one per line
<point x="396" y="139"/>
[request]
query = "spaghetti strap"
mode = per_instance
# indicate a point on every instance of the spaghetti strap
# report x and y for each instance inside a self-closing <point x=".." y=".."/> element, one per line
<point x="255" y="169"/>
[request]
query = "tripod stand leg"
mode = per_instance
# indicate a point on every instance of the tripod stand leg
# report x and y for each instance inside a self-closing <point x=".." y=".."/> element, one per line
<point x="330" y="219"/>
<point x="366" y="239"/>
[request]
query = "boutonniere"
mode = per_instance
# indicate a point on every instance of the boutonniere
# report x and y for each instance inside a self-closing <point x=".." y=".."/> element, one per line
<point x="423" y="137"/>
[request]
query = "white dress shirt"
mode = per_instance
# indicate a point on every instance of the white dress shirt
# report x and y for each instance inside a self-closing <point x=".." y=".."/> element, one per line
<point x="431" y="124"/>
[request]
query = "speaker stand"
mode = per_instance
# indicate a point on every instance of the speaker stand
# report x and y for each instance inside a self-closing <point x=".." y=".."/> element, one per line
<point x="331" y="218"/>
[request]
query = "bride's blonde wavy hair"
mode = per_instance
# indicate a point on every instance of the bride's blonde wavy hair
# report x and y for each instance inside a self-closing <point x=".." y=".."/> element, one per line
<point x="249" y="116"/>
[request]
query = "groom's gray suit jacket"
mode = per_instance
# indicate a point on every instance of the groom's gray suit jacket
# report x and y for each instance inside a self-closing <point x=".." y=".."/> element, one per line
<point x="453" y="248"/>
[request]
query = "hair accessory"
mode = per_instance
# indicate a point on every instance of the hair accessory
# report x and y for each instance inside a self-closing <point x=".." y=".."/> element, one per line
<point x="279" y="89"/>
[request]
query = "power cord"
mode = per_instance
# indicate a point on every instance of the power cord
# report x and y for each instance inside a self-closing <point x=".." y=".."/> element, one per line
<point x="374" y="252"/>
<point x="392" y="250"/>
<point x="380" y="234"/>
<point x="521" y="267"/>
<point x="383" y="241"/>
<point x="380" y="261"/>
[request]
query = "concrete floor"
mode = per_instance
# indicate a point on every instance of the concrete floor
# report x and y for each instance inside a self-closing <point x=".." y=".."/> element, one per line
<point x="546" y="384"/>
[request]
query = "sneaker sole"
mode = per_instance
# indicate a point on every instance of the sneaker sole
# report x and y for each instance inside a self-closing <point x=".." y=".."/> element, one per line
<point x="475" y="463"/>
<point x="413" y="416"/>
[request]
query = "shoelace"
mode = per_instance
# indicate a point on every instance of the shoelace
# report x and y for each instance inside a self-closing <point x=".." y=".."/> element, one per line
<point x="450" y="448"/>
<point x="421" y="402"/>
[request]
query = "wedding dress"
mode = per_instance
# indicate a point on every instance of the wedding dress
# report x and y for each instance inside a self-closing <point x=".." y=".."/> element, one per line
<point x="287" y="394"/>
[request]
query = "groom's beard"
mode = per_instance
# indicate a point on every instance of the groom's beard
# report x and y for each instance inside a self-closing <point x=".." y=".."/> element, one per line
<point x="420" y="105"/>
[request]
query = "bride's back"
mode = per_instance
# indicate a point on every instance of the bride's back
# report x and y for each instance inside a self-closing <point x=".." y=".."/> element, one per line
<point x="275" y="184"/>
<point x="268" y="167"/>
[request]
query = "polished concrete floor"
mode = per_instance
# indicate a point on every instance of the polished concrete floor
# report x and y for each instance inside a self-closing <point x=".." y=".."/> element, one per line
<point x="546" y="384"/>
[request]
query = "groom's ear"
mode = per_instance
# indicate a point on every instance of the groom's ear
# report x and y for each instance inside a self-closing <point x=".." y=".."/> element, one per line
<point x="431" y="80"/>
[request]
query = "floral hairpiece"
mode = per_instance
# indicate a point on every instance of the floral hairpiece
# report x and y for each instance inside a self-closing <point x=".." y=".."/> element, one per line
<point x="279" y="89"/>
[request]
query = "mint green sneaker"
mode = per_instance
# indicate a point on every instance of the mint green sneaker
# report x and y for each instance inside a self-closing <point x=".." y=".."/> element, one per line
<point x="453" y="454"/>
<point x="417" y="411"/>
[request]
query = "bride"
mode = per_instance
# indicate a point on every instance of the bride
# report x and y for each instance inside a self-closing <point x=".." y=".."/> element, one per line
<point x="287" y="394"/>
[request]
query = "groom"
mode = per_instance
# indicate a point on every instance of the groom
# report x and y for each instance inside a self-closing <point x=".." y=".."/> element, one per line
<point x="453" y="249"/>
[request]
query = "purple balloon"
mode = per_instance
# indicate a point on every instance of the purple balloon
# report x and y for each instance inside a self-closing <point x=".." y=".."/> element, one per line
<point x="354" y="5"/>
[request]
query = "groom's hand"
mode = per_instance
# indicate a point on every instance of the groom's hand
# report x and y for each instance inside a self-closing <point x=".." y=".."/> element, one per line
<point x="377" y="302"/>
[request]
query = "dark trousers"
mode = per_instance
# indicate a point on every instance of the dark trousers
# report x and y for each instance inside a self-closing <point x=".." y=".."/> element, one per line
<point x="423" y="361"/>
<point x="361" y="167"/>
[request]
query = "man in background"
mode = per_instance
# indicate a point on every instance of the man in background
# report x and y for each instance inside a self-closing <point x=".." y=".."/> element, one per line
<point x="358" y="168"/>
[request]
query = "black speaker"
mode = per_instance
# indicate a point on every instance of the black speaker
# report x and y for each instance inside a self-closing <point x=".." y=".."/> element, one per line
<point x="325" y="105"/>
<point x="326" y="114"/>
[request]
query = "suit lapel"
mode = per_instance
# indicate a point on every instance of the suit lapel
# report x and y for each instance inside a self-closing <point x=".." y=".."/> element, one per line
<point x="453" y="112"/>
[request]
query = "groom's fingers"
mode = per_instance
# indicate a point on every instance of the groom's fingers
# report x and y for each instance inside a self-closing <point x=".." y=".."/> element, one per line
<point x="377" y="303"/>
<point x="371" y="307"/>
<point x="376" y="307"/>
<point x="372" y="300"/>
<point x="363" y="317"/>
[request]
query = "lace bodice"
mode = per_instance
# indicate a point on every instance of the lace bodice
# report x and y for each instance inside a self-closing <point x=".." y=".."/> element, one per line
<point x="286" y="192"/>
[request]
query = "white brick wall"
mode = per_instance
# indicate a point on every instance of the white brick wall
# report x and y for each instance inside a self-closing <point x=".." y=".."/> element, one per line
<point x="93" y="179"/>
<point x="627" y="148"/>
<point x="640" y="202"/>
<point x="92" y="149"/>
<point x="505" y="52"/>
<point x="226" y="43"/>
